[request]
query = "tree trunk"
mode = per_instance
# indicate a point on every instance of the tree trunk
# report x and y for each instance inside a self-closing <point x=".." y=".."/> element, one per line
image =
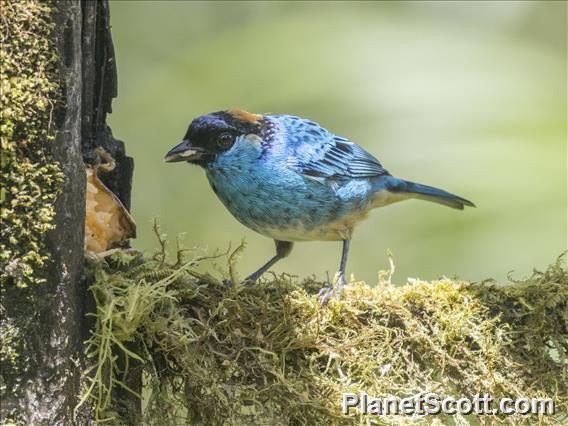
<point x="43" y="385"/>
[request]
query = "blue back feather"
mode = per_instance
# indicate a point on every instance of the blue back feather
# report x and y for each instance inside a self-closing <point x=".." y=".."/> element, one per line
<point x="317" y="153"/>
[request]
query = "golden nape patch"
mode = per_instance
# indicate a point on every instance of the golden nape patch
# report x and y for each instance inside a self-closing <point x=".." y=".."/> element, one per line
<point x="249" y="117"/>
<point x="107" y="222"/>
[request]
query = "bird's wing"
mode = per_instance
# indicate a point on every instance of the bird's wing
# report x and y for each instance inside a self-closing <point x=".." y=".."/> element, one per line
<point x="321" y="155"/>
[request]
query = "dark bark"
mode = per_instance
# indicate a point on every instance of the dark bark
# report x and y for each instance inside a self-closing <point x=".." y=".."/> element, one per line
<point x="51" y="317"/>
<point x="99" y="88"/>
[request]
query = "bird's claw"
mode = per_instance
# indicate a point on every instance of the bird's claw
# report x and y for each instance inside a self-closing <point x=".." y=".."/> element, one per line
<point x="330" y="291"/>
<point x="325" y="294"/>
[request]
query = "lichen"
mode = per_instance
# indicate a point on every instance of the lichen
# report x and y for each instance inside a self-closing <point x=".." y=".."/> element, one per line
<point x="269" y="353"/>
<point x="9" y="352"/>
<point x="30" y="180"/>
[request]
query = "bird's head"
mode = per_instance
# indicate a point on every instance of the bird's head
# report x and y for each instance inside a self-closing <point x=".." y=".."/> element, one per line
<point x="213" y="134"/>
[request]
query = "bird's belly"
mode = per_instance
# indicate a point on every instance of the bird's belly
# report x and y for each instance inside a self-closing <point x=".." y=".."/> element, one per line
<point x="336" y="230"/>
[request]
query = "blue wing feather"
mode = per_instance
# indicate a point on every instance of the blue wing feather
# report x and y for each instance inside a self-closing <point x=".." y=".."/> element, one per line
<point x="319" y="154"/>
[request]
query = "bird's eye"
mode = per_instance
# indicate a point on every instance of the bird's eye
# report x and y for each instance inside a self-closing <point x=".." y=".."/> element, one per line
<point x="225" y="140"/>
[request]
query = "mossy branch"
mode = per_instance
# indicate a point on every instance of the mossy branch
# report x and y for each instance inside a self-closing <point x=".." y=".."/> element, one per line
<point x="268" y="353"/>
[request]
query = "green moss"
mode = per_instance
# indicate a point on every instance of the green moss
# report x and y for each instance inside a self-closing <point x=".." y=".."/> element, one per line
<point x="29" y="94"/>
<point x="268" y="353"/>
<point x="30" y="179"/>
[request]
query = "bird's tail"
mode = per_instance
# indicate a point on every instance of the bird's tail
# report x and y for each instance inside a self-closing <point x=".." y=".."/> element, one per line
<point x="428" y="193"/>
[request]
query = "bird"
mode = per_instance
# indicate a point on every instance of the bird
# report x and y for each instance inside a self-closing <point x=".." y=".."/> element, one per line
<point x="290" y="179"/>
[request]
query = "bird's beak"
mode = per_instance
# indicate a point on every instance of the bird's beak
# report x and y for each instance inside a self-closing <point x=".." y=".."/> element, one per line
<point x="184" y="152"/>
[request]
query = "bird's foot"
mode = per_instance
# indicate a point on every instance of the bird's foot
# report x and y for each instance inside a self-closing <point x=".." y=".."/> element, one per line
<point x="330" y="291"/>
<point x="325" y="295"/>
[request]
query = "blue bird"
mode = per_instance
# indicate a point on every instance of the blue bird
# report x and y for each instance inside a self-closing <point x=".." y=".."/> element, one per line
<point x="291" y="180"/>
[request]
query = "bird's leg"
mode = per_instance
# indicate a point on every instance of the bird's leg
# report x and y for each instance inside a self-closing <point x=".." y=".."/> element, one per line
<point x="327" y="292"/>
<point x="341" y="279"/>
<point x="283" y="249"/>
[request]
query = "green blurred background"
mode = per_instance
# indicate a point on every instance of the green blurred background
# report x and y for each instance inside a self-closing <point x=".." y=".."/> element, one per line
<point x="470" y="97"/>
